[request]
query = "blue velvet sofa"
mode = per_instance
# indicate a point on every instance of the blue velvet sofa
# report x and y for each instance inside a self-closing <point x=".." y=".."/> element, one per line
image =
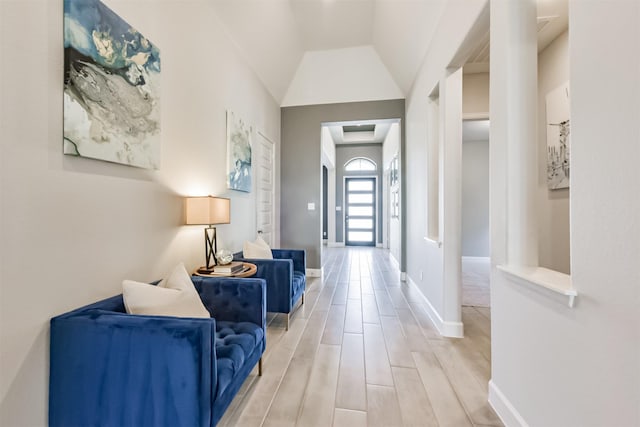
<point x="286" y="278"/>
<point x="110" y="368"/>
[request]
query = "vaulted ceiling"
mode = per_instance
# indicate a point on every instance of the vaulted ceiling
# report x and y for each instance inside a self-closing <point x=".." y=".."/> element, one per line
<point x="275" y="34"/>
<point x="290" y="44"/>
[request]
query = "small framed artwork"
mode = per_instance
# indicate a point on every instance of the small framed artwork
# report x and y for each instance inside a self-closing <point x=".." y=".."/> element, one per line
<point x="558" y="137"/>
<point x="239" y="172"/>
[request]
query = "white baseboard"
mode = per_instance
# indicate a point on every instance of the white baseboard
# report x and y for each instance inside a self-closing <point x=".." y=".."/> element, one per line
<point x="483" y="259"/>
<point x="508" y="414"/>
<point x="379" y="245"/>
<point x="335" y="244"/>
<point x="445" y="328"/>
<point x="394" y="261"/>
<point x="314" y="272"/>
<point x="403" y="276"/>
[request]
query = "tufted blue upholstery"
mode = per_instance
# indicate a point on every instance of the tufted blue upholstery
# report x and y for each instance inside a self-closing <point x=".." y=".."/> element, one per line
<point x="285" y="275"/>
<point x="110" y="368"/>
<point x="234" y="343"/>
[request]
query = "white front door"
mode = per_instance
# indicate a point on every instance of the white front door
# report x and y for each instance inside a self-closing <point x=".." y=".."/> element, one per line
<point x="265" y="193"/>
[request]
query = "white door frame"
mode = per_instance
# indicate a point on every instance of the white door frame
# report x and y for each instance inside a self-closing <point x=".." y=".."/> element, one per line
<point x="273" y="192"/>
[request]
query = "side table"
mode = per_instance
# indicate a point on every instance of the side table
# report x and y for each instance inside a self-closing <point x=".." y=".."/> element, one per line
<point x="248" y="270"/>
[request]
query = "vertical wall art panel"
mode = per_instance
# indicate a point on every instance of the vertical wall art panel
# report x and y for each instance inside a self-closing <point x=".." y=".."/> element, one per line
<point x="558" y="137"/>
<point x="111" y="87"/>
<point x="239" y="174"/>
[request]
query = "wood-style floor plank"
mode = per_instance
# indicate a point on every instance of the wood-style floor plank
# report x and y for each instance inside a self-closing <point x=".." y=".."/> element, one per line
<point x="397" y="346"/>
<point x="376" y="361"/>
<point x="318" y="405"/>
<point x="383" y="408"/>
<point x="352" y="391"/>
<point x="473" y="395"/>
<point x="334" y="327"/>
<point x="288" y="399"/>
<point x="385" y="307"/>
<point x="415" y="406"/>
<point x="349" y="418"/>
<point x="369" y="309"/>
<point x="308" y="345"/>
<point x="447" y="408"/>
<point x="353" y="317"/>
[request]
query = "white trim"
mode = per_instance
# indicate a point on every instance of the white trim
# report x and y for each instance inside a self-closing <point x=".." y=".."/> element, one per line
<point x="431" y="241"/>
<point x="446" y="329"/>
<point x="403" y="276"/>
<point x="475" y="116"/>
<point x="379" y="245"/>
<point x="335" y="244"/>
<point x="483" y="259"/>
<point x="314" y="272"/>
<point x="507" y="413"/>
<point x="551" y="280"/>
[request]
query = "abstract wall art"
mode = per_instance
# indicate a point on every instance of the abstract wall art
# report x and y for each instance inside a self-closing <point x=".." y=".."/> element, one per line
<point x="239" y="174"/>
<point x="111" y="88"/>
<point x="558" y="137"/>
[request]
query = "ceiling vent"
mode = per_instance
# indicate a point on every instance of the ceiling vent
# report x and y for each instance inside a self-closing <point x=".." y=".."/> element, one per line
<point x="358" y="128"/>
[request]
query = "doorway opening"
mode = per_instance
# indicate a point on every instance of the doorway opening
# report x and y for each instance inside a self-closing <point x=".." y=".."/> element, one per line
<point x="476" y="264"/>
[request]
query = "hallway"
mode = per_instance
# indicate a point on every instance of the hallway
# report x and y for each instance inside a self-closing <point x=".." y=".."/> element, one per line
<point x="331" y="367"/>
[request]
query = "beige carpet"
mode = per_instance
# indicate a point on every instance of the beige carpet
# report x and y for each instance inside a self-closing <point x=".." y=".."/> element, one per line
<point x="475" y="282"/>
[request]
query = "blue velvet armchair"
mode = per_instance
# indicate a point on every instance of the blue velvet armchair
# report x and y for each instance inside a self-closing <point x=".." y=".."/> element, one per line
<point x="286" y="278"/>
<point x="110" y="368"/>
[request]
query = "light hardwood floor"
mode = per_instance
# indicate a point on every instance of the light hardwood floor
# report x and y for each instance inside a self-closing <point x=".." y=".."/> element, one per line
<point x="362" y="351"/>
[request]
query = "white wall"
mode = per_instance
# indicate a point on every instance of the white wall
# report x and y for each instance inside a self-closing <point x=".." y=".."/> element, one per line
<point x="553" y="365"/>
<point x="390" y="149"/>
<point x="553" y="205"/>
<point x="359" y="76"/>
<point x="425" y="259"/>
<point x="72" y="229"/>
<point x="475" y="198"/>
<point x="329" y="160"/>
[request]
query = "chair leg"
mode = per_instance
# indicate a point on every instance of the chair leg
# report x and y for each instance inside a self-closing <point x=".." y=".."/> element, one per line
<point x="260" y="367"/>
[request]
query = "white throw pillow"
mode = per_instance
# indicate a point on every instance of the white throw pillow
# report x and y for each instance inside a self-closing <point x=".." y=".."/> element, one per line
<point x="173" y="296"/>
<point x="257" y="250"/>
<point x="260" y="241"/>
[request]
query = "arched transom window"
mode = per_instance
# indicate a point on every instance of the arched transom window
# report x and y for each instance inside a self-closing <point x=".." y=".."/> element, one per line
<point x="360" y="164"/>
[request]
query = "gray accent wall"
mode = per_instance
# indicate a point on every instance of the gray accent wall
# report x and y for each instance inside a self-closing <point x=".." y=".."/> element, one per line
<point x="301" y="176"/>
<point x="344" y="153"/>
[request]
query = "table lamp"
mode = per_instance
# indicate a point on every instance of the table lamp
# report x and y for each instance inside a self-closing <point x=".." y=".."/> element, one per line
<point x="208" y="211"/>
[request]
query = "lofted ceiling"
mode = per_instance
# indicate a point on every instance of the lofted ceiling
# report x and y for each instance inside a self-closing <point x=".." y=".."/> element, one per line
<point x="275" y="35"/>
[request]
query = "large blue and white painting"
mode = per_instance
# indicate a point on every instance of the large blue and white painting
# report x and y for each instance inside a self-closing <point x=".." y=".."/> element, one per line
<point x="111" y="87"/>
<point x="239" y="174"/>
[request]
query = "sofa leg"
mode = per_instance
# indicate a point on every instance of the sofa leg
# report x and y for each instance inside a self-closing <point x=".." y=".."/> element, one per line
<point x="288" y="316"/>
<point x="302" y="298"/>
<point x="260" y="367"/>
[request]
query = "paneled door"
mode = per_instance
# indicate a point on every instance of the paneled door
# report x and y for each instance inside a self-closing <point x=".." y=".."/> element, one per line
<point x="264" y="189"/>
<point x="360" y="219"/>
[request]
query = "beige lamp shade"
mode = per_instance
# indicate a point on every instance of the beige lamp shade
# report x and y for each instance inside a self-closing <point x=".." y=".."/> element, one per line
<point x="207" y="210"/>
